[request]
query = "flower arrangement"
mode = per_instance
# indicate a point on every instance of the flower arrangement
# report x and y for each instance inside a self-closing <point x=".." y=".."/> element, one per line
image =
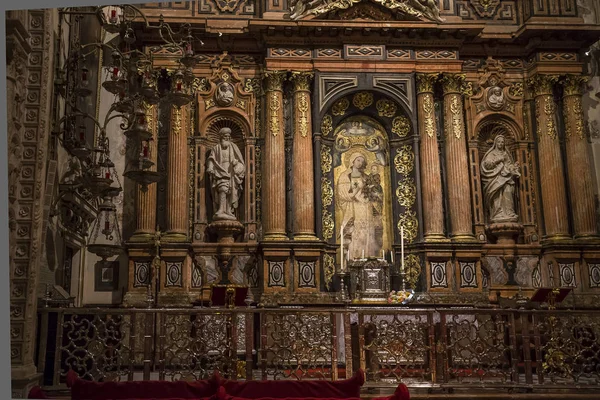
<point x="400" y="297"/>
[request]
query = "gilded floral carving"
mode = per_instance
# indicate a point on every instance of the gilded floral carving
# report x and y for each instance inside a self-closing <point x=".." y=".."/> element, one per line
<point x="326" y="159"/>
<point x="328" y="269"/>
<point x="410" y="223"/>
<point x="406" y="192"/>
<point x="326" y="125"/>
<point x="386" y="108"/>
<point x="428" y="110"/>
<point x="404" y="160"/>
<point x="362" y="100"/>
<point x="303" y="108"/>
<point x="401" y="126"/>
<point x="425" y="82"/>
<point x="340" y="107"/>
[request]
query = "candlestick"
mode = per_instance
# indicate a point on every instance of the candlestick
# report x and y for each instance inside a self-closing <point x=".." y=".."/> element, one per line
<point x="402" y="247"/>
<point x="342" y="248"/>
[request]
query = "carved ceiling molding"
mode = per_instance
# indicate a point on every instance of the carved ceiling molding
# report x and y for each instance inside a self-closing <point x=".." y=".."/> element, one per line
<point x="427" y="10"/>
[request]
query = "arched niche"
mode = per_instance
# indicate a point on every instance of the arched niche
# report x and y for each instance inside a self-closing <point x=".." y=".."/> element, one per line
<point x="362" y="187"/>
<point x="387" y="139"/>
<point x="207" y="138"/>
<point x="519" y="149"/>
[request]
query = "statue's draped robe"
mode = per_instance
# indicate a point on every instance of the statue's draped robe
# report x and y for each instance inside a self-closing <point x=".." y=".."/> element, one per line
<point x="358" y="216"/>
<point x="498" y="185"/>
<point x="230" y="179"/>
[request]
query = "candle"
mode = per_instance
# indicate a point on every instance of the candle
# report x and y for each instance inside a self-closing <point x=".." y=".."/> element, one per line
<point x="113" y="16"/>
<point x="402" y="247"/>
<point x="107" y="175"/>
<point x="107" y="225"/>
<point x="115" y="72"/>
<point x="342" y="248"/>
<point x="392" y="255"/>
<point x="363" y="254"/>
<point x="382" y="254"/>
<point x="145" y="151"/>
<point x="179" y="86"/>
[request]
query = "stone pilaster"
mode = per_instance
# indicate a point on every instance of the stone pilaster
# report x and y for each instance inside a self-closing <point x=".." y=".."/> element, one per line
<point x="177" y="177"/>
<point x="274" y="190"/>
<point x="146" y="200"/>
<point x="455" y="149"/>
<point x="581" y="185"/>
<point x="433" y="215"/>
<point x="303" y="171"/>
<point x="552" y="183"/>
<point x="30" y="68"/>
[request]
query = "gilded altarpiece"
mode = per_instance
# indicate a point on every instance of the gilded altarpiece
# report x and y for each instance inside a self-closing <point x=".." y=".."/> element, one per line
<point x="366" y="138"/>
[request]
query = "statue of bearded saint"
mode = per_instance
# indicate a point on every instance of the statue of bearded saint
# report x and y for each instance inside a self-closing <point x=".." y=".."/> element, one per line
<point x="498" y="175"/>
<point x="226" y="169"/>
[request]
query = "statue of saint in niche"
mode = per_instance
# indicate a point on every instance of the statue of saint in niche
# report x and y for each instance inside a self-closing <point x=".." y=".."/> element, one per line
<point x="360" y="198"/>
<point x="226" y="169"/>
<point x="498" y="175"/>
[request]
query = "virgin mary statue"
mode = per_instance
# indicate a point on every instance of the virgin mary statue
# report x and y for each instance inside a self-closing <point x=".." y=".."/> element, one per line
<point x="359" y="216"/>
<point x="498" y="174"/>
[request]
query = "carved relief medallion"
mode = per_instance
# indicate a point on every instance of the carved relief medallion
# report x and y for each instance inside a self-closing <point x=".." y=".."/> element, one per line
<point x="224" y="94"/>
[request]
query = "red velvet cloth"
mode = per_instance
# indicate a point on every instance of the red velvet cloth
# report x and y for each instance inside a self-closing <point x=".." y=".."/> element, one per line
<point x="285" y="389"/>
<point x="36" y="392"/>
<point x="88" y="390"/>
<point x="401" y="393"/>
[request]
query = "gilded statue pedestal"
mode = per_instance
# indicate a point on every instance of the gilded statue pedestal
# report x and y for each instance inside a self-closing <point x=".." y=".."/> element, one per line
<point x="505" y="232"/>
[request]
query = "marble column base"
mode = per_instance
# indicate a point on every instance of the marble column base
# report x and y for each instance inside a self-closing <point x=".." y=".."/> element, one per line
<point x="436" y="238"/>
<point x="142" y="237"/>
<point x="463" y="237"/>
<point x="305" y="237"/>
<point x="276" y="237"/>
<point x="174" y="237"/>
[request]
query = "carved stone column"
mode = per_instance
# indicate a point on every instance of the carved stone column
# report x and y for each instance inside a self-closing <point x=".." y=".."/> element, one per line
<point x="177" y="179"/>
<point x="146" y="200"/>
<point x="433" y="215"/>
<point x="30" y="68"/>
<point x="552" y="183"/>
<point x="304" y="191"/>
<point x="459" y="197"/>
<point x="274" y="162"/>
<point x="581" y="185"/>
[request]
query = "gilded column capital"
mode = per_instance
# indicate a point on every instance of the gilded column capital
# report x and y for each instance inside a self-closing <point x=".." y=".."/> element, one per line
<point x="275" y="80"/>
<point x="425" y="82"/>
<point x="454" y="84"/>
<point x="302" y="80"/>
<point x="541" y="85"/>
<point x="574" y="85"/>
